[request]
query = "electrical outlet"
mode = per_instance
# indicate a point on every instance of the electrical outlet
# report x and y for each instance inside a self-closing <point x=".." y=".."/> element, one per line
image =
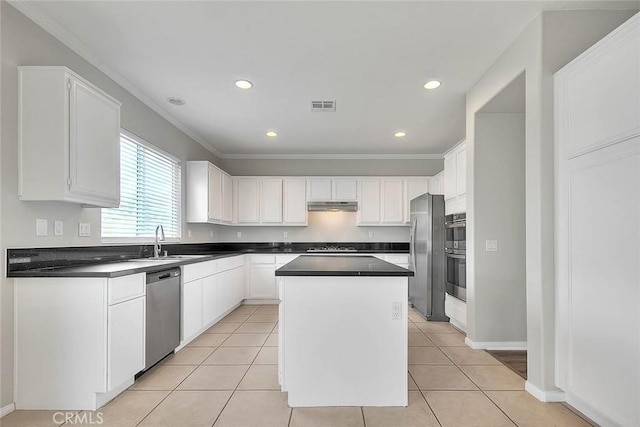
<point x="285" y="234"/>
<point x="189" y="233"/>
<point x="371" y="234"/>
<point x="41" y="227"/>
<point x="211" y="234"/>
<point x="84" y="229"/>
<point x="396" y="311"/>
<point x="491" y="246"/>
<point x="239" y="234"/>
<point x="58" y="228"/>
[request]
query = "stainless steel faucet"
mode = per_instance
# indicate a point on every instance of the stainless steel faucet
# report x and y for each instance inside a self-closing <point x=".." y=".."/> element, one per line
<point x="158" y="247"/>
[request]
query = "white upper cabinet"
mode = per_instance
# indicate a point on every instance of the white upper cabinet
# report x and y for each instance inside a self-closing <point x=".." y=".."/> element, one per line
<point x="271" y="200"/>
<point x="344" y="189"/>
<point x="414" y="187"/>
<point x="392" y="198"/>
<point x="69" y="139"/>
<point x="294" y="203"/>
<point x="318" y="189"/>
<point x="248" y="200"/>
<point x="436" y="184"/>
<point x="330" y="189"/>
<point x="455" y="179"/>
<point x="368" y="201"/>
<point x="209" y="193"/>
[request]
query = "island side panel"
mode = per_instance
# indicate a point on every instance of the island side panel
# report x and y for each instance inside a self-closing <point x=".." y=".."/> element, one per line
<point x="340" y="344"/>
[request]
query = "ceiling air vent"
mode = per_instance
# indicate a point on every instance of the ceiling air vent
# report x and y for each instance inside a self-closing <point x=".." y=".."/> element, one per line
<point x="323" y="105"/>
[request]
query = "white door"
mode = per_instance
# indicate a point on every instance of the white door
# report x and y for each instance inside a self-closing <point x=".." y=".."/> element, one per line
<point x="215" y="193"/>
<point x="227" y="198"/>
<point x="262" y="281"/>
<point x="369" y="201"/>
<point x="94" y="144"/>
<point x="461" y="172"/>
<point x="392" y="201"/>
<point x="450" y="189"/>
<point x="271" y="201"/>
<point x="210" y="304"/>
<point x="248" y="200"/>
<point x="125" y="341"/>
<point x="295" y="201"/>
<point x="345" y="189"/>
<point x="191" y="308"/>
<point x="414" y="187"/>
<point x="319" y="189"/>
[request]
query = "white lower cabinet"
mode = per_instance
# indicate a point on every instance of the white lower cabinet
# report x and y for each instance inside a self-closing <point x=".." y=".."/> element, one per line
<point x="125" y="332"/>
<point x="191" y="309"/>
<point x="78" y="341"/>
<point x="209" y="291"/>
<point x="263" y="285"/>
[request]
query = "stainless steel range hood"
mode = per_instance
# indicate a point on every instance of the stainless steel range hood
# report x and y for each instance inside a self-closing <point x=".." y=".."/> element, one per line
<point x="332" y="206"/>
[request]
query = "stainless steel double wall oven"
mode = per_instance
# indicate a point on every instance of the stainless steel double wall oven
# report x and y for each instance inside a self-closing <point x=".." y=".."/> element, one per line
<point x="455" y="248"/>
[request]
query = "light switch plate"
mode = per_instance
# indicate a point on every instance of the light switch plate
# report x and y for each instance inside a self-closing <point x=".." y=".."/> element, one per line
<point x="58" y="228"/>
<point x="371" y="234"/>
<point x="189" y="233"/>
<point x="491" y="246"/>
<point x="84" y="229"/>
<point x="239" y="234"/>
<point x="41" y="227"/>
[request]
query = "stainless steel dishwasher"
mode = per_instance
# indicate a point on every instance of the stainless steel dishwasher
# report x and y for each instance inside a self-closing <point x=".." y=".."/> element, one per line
<point x="163" y="315"/>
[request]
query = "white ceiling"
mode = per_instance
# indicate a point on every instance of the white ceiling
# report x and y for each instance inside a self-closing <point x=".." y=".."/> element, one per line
<point x="372" y="58"/>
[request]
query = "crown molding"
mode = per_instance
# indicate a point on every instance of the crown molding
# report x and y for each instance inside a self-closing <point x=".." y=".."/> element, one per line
<point x="332" y="157"/>
<point x="65" y="37"/>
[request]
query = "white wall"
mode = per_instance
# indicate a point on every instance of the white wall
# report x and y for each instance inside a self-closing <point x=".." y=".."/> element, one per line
<point x="336" y="167"/>
<point x="498" y="294"/>
<point x="547" y="44"/>
<point x="24" y="43"/>
<point x="322" y="227"/>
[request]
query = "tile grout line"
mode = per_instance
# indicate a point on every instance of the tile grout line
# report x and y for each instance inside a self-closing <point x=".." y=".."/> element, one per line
<point x="477" y="385"/>
<point x="364" y="421"/>
<point x="197" y="366"/>
<point x="243" y="376"/>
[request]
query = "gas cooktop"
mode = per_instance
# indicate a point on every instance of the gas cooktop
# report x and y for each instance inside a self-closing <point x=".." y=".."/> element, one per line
<point x="332" y="249"/>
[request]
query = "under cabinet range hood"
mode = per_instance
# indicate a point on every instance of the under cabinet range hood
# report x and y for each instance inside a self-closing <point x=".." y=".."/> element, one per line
<point x="332" y="206"/>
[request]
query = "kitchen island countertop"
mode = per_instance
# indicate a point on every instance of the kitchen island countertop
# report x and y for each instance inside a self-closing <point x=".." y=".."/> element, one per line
<point x="340" y="265"/>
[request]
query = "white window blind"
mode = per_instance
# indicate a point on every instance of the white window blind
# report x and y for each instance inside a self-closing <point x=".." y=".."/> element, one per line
<point x="149" y="194"/>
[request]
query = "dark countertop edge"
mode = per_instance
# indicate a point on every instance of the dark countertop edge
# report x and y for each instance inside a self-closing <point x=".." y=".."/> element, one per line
<point x="76" y="271"/>
<point x="407" y="273"/>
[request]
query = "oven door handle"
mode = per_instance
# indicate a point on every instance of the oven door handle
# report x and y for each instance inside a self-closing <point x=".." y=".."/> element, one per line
<point x="455" y="224"/>
<point x="456" y="256"/>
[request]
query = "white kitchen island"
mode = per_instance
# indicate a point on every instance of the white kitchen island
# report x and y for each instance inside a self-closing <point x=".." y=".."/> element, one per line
<point x="343" y="331"/>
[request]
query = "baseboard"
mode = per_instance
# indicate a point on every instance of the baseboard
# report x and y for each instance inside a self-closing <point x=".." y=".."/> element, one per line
<point x="496" y="345"/>
<point x="596" y="416"/>
<point x="458" y="325"/>
<point x="260" y="301"/>
<point x="6" y="410"/>
<point x="545" y="395"/>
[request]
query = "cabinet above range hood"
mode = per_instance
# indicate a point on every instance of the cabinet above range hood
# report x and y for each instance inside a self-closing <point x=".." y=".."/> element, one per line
<point x="332" y="206"/>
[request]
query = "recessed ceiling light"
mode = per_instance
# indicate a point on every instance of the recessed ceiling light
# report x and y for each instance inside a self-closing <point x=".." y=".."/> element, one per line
<point x="271" y="134"/>
<point x="244" y="84"/>
<point x="432" y="84"/>
<point x="176" y="101"/>
<point x="400" y="134"/>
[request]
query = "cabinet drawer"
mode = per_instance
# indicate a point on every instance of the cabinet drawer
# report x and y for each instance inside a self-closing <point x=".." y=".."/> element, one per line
<point x="125" y="287"/>
<point x="262" y="259"/>
<point x="225" y="264"/>
<point x="196" y="271"/>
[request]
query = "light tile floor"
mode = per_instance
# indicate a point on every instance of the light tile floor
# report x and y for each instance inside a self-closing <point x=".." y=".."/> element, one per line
<point x="227" y="377"/>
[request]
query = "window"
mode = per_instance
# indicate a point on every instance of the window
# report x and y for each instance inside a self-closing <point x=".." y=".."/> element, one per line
<point x="149" y="194"/>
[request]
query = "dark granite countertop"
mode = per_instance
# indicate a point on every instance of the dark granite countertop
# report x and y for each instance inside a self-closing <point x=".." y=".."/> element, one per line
<point x="115" y="261"/>
<point x="117" y="269"/>
<point x="337" y="265"/>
